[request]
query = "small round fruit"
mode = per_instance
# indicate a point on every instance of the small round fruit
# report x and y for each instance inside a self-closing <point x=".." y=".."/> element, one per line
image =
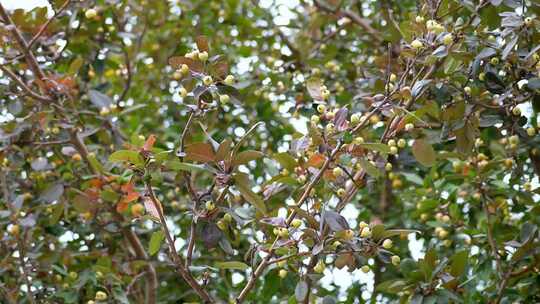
<point x="358" y="140"/>
<point x="396" y="260"/>
<point x="221" y="225"/>
<point x="282" y="263"/>
<point x="183" y="92"/>
<point x="137" y="210"/>
<point x="494" y="61"/>
<point x="514" y="139"/>
<point x="184" y="69"/>
<point x="394" y="150"/>
<point x="401" y="143"/>
<point x="207" y="80"/>
<point x="365" y="269"/>
<point x="283" y="233"/>
<point x="355" y="118"/>
<point x="210" y="206"/>
<point x="528" y="21"/>
<point x="73" y="275"/>
<point x="531" y="131"/>
<point x="363" y="225"/>
<point x="341" y="192"/>
<point x="76" y="157"/>
<point x="282" y="273"/>
<point x="393" y="77"/>
<point x="104" y="111"/>
<point x="227" y="217"/>
<point x="229" y="80"/>
<point x="320" y="267"/>
<point x="419" y="19"/>
<point x="348" y="235"/>
<point x="365" y="233"/>
<point x="203" y="56"/>
<point x="445" y="218"/>
<point x="409" y="127"/>
<point x="330" y="127"/>
<point x="321" y="108"/>
<point x="101" y="296"/>
<point x="177" y="75"/>
<point x="516" y="111"/>
<point x="388" y="167"/>
<point x="448" y="39"/>
<point x="467" y="90"/>
<point x="325" y="94"/>
<point x="417" y="44"/>
<point x="482" y="76"/>
<point x="14" y="230"/>
<point x="224" y="98"/>
<point x="337" y="171"/>
<point x="387" y="244"/>
<point x="90" y="13"/>
<point x="296" y="223"/>
<point x="443" y="233"/>
<point x="315" y="119"/>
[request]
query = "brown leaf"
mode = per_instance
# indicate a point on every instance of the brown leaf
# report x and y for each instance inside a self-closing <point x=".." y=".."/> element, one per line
<point x="149" y="144"/>
<point x="200" y="151"/>
<point x="202" y="43"/>
<point x="424" y="153"/>
<point x="177" y="61"/>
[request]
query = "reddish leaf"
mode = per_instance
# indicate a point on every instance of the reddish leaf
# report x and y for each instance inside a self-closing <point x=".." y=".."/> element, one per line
<point x="202" y="152"/>
<point x="177" y="61"/>
<point x="316" y="160"/>
<point x="202" y="43"/>
<point x="149" y="144"/>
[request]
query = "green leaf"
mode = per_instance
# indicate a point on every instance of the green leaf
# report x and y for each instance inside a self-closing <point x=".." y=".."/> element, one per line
<point x="458" y="263"/>
<point x="369" y="168"/>
<point x="127" y="156"/>
<point x="245" y="157"/>
<point x="232" y="265"/>
<point x="155" y="242"/>
<point x="383" y="148"/>
<point x="177" y="165"/>
<point x="424" y="153"/>
<point x="286" y="160"/>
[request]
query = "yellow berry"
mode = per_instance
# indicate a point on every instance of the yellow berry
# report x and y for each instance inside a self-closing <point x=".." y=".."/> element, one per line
<point x="229" y="80"/>
<point x="90" y="13"/>
<point x="417" y="44"/>
<point x="448" y="39"/>
<point x="207" y="80"/>
<point x="224" y="98"/>
<point x="210" y="206"/>
<point x="137" y="210"/>
<point x="203" y="56"/>
<point x="183" y="92"/>
<point x="101" y="296"/>
<point x="387" y="244"/>
<point x="396" y="260"/>
<point x="282" y="273"/>
<point x="365" y="233"/>
<point x="296" y="223"/>
<point x="365" y="269"/>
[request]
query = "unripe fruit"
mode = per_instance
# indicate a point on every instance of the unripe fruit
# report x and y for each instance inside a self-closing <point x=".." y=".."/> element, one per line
<point x="203" y="56"/>
<point x="177" y="75"/>
<point x="363" y="225"/>
<point x="527" y="186"/>
<point x="184" y="69"/>
<point x="366" y="232"/>
<point x="319" y="268"/>
<point x="442" y="234"/>
<point x="207" y="80"/>
<point x="227" y="217"/>
<point x="337" y="171"/>
<point x="494" y="61"/>
<point x="467" y="90"/>
<point x="482" y="76"/>
<point x="285" y="172"/>
<point x="330" y="127"/>
<point x="419" y="19"/>
<point x="516" y="111"/>
<point x="282" y="263"/>
<point x="388" y="167"/>
<point x="325" y="94"/>
<point x="528" y="21"/>
<point x="531" y="131"/>
<point x="348" y="235"/>
<point x="508" y="163"/>
<point x="282" y="273"/>
<point x="76" y="157"/>
<point x="391" y="142"/>
<point x="296" y="223"/>
<point x="401" y="143"/>
<point x="222" y="225"/>
<point x="448" y="39"/>
<point x="365" y="269"/>
<point x="73" y="275"/>
<point x="90" y="13"/>
<point x="283" y="233"/>
<point x="394" y="150"/>
<point x="101" y="296"/>
<point x="302" y="178"/>
<point x="396" y="260"/>
<point x="224" y="98"/>
<point x="321" y="108"/>
<point x="409" y="127"/>
<point x="104" y="111"/>
<point x="445" y="218"/>
<point x="210" y="206"/>
<point x="355" y="118"/>
<point x="315" y="119"/>
<point x="14" y="230"/>
<point x="417" y="44"/>
<point x="393" y="77"/>
<point x="137" y="210"/>
<point x="183" y="92"/>
<point x="229" y="80"/>
<point x="514" y="139"/>
<point x="358" y="140"/>
<point x="424" y="216"/>
<point x="341" y="192"/>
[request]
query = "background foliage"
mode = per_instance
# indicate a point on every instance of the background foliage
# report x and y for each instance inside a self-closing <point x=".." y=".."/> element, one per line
<point x="416" y="118"/>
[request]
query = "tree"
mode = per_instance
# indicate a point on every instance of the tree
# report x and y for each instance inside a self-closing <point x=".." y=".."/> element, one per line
<point x="204" y="151"/>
